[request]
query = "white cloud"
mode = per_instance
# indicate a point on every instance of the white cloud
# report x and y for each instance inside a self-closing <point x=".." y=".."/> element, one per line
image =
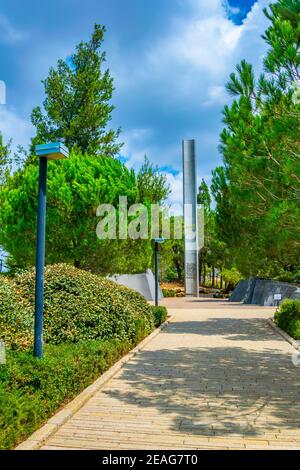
<point x="8" y="33"/>
<point x="199" y="46"/>
<point x="176" y="186"/>
<point x="216" y="94"/>
<point x="231" y="10"/>
<point x="185" y="70"/>
<point x="14" y="127"/>
<point x="135" y="147"/>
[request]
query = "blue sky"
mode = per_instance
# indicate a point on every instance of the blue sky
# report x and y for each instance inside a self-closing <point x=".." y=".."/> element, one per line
<point x="170" y="60"/>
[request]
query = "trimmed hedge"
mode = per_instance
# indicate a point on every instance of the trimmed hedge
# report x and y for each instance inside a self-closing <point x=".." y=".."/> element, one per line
<point x="78" y="306"/>
<point x="160" y="315"/>
<point x="287" y="317"/>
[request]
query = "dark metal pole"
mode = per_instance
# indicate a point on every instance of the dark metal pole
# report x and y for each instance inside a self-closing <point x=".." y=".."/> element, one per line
<point x="40" y="260"/>
<point x="156" y="273"/>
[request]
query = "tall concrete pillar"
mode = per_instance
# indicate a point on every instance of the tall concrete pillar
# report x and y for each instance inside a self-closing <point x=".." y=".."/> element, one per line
<point x="191" y="260"/>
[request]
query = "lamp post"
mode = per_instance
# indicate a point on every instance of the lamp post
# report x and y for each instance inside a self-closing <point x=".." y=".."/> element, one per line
<point x="156" y="242"/>
<point x="45" y="152"/>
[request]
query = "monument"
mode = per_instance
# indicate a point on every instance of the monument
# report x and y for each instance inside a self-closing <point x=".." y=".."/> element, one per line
<point x="191" y="259"/>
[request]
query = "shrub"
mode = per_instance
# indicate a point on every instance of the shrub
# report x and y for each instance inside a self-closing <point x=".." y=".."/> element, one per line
<point x="16" y="318"/>
<point x="287" y="317"/>
<point x="169" y="292"/>
<point x="160" y="315"/>
<point x="31" y="390"/>
<point x="231" y="277"/>
<point x="78" y="306"/>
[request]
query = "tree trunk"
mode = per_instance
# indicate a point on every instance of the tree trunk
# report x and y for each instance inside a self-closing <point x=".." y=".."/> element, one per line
<point x="200" y="272"/>
<point x="178" y="269"/>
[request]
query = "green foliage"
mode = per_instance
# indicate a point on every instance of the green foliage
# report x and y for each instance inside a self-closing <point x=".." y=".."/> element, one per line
<point x="152" y="184"/>
<point x="77" y="105"/>
<point x="231" y="277"/>
<point x="160" y="314"/>
<point x="257" y="190"/>
<point x="213" y="253"/>
<point x="287" y="317"/>
<point x="89" y="323"/>
<point x="16" y="318"/>
<point x="203" y="196"/>
<point x="76" y="187"/>
<point x="286" y="276"/>
<point x="169" y="292"/>
<point x="171" y="253"/>
<point x="78" y="306"/>
<point x="76" y="108"/>
<point x="31" y="390"/>
<point x="4" y="154"/>
<point x="283" y="38"/>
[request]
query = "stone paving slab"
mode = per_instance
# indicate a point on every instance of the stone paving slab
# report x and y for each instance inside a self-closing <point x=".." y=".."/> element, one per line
<point x="217" y="377"/>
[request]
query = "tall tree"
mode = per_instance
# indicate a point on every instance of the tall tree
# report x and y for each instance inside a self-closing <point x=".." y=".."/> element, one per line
<point x="258" y="190"/>
<point x="152" y="184"/>
<point x="203" y="196"/>
<point x="77" y="106"/>
<point x="76" y="187"/>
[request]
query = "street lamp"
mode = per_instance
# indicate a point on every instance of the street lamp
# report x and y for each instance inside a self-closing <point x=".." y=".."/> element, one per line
<point x="156" y="242"/>
<point x="50" y="151"/>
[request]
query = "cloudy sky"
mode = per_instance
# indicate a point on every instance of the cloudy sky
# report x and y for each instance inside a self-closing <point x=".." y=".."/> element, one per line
<point x="170" y="60"/>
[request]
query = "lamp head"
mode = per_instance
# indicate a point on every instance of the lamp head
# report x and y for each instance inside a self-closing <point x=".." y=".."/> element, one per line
<point x="159" y="240"/>
<point x="52" y="151"/>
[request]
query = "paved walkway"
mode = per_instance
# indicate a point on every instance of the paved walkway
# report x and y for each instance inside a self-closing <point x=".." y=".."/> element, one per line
<point x="218" y="377"/>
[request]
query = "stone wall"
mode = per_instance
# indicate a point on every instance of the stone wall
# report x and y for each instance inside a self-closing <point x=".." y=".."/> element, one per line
<point x="143" y="283"/>
<point x="262" y="291"/>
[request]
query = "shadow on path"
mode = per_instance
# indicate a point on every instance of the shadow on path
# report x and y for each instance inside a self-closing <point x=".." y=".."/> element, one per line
<point x="216" y="389"/>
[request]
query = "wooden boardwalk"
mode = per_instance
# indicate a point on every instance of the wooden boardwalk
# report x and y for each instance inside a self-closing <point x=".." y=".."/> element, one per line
<point x="217" y="377"/>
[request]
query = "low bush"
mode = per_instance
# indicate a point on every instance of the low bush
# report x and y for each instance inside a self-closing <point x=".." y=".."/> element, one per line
<point x="16" y="317"/>
<point x="78" y="306"/>
<point x="169" y="292"/>
<point x="287" y="317"/>
<point x="231" y="277"/>
<point x="160" y="315"/>
<point x="31" y="390"/>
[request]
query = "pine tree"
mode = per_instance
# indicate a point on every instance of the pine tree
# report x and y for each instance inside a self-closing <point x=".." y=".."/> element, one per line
<point x="77" y="105"/>
<point x="258" y="190"/>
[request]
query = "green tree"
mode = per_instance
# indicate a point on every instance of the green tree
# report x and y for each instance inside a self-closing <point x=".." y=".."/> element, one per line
<point x="76" y="187"/>
<point x="258" y="190"/>
<point x="4" y="156"/>
<point x="77" y="105"/>
<point x="203" y="196"/>
<point x="152" y="184"/>
<point x="172" y="253"/>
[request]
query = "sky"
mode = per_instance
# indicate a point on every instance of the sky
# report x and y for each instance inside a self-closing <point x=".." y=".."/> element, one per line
<point x="170" y="60"/>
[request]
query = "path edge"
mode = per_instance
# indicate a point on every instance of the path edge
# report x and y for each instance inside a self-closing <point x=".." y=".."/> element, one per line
<point x="283" y="334"/>
<point x="38" y="438"/>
